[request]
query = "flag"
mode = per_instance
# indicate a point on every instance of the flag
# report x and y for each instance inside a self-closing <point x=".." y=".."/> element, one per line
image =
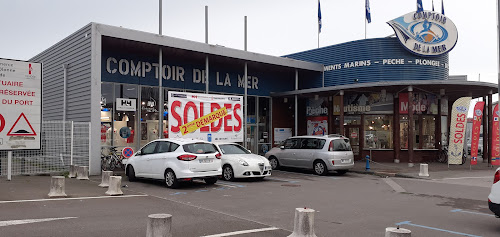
<point x="442" y="7"/>
<point x="432" y="5"/>
<point x="476" y="131"/>
<point x="420" y="8"/>
<point x="458" y="127"/>
<point x="368" y="14"/>
<point x="319" y="17"/>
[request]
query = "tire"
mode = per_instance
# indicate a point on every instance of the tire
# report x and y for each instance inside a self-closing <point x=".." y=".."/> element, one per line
<point x="170" y="179"/>
<point x="211" y="180"/>
<point x="112" y="164"/>
<point x="227" y="173"/>
<point x="341" y="172"/>
<point x="319" y="168"/>
<point x="131" y="173"/>
<point x="275" y="164"/>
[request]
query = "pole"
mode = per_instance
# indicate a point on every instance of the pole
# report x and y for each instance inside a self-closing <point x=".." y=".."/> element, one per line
<point x="160" y="79"/>
<point x="72" y="139"/>
<point x="9" y="166"/>
<point x="245" y="33"/>
<point x="296" y="103"/>
<point x="498" y="50"/>
<point x="245" y="96"/>
<point x="160" y="16"/>
<point x="206" y="57"/>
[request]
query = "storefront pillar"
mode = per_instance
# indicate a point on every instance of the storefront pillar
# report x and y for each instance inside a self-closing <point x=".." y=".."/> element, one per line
<point x="490" y="126"/>
<point x="397" y="135"/>
<point x="485" y="132"/>
<point x="160" y="94"/>
<point x="410" y="126"/>
<point x="438" y="126"/>
<point x="296" y="103"/>
<point x="342" y="113"/>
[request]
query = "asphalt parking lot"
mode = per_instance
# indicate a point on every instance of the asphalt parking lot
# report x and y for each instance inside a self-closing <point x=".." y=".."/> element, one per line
<point x="348" y="205"/>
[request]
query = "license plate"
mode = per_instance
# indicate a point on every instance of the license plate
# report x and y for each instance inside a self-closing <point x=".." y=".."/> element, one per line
<point x="346" y="160"/>
<point x="207" y="161"/>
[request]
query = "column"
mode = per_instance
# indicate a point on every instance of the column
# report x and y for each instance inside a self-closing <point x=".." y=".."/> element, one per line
<point x="485" y="131"/>
<point x="410" y="126"/>
<point x="396" y="128"/>
<point x="490" y="126"/>
<point x="342" y="113"/>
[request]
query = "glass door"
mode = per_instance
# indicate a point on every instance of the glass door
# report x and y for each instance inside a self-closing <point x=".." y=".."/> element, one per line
<point x="353" y="133"/>
<point x="252" y="138"/>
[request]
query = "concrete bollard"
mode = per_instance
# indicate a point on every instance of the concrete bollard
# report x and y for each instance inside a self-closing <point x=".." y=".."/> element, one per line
<point x="72" y="171"/>
<point x="105" y="179"/>
<point x="57" y="187"/>
<point x="159" y="225"/>
<point x="303" y="223"/>
<point x="115" y="183"/>
<point x="82" y="173"/>
<point x="424" y="170"/>
<point x="397" y="232"/>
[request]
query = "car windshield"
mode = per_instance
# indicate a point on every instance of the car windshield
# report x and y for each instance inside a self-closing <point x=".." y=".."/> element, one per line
<point x="341" y="145"/>
<point x="200" y="148"/>
<point x="233" y="149"/>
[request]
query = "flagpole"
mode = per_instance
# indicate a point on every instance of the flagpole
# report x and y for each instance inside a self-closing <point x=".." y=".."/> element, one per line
<point x="318" y="25"/>
<point x="365" y="26"/>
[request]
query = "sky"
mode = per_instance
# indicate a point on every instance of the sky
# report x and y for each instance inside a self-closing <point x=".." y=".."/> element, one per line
<point x="275" y="27"/>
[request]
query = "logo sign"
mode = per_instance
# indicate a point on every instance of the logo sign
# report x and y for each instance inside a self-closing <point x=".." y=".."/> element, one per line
<point x="425" y="33"/>
<point x="127" y="152"/>
<point x="125" y="132"/>
<point x="20" y="105"/>
<point x="125" y="104"/>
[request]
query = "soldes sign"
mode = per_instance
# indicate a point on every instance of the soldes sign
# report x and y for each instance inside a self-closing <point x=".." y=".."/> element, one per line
<point x="196" y="116"/>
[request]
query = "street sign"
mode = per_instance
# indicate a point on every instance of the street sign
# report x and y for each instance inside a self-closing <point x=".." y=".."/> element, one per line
<point x="127" y="152"/>
<point x="20" y="105"/>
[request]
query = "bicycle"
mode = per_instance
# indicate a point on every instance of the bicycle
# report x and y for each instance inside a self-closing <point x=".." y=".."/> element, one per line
<point x="443" y="156"/>
<point x="112" y="160"/>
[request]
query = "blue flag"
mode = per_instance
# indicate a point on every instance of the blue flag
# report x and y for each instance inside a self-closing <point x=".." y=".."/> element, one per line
<point x="319" y="17"/>
<point x="420" y="8"/>
<point x="368" y="14"/>
<point x="442" y="7"/>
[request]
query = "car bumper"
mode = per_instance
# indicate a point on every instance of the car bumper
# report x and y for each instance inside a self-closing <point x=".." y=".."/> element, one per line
<point x="340" y="166"/>
<point x="252" y="171"/>
<point x="494" y="207"/>
<point x="183" y="174"/>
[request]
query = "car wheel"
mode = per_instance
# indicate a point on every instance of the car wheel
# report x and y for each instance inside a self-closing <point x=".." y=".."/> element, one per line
<point x="211" y="180"/>
<point x="131" y="174"/>
<point x="171" y="180"/>
<point x="228" y="173"/>
<point x="341" y="172"/>
<point x="320" y="168"/>
<point x="275" y="164"/>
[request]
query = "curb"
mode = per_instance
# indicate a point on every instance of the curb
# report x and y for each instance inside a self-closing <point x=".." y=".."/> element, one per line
<point x="387" y="174"/>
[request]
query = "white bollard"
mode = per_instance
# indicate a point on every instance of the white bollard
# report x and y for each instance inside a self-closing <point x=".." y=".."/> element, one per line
<point x="57" y="187"/>
<point x="424" y="170"/>
<point x="159" y="225"/>
<point x="82" y="173"/>
<point x="72" y="171"/>
<point x="115" y="183"/>
<point x="397" y="232"/>
<point x="303" y="223"/>
<point x="105" y="179"/>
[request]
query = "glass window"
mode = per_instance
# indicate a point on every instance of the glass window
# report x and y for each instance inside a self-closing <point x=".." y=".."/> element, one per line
<point x="428" y="132"/>
<point x="312" y="143"/>
<point x="149" y="114"/>
<point x="148" y="149"/>
<point x="444" y="130"/>
<point x="107" y="99"/>
<point x="293" y="143"/>
<point x="352" y="120"/>
<point x="163" y="147"/>
<point x="341" y="145"/>
<point x="200" y="148"/>
<point x="378" y="132"/>
<point x="233" y="149"/>
<point x="124" y="117"/>
<point x="173" y="146"/>
<point x="264" y="126"/>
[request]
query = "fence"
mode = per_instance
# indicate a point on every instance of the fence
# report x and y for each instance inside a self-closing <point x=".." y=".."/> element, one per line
<point x="63" y="144"/>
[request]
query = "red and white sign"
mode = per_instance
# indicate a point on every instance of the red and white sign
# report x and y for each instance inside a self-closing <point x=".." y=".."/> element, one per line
<point x="317" y="125"/>
<point x="186" y="107"/>
<point x="476" y="131"/>
<point x="495" y="146"/>
<point x="20" y="104"/>
<point x="127" y="152"/>
<point x="458" y="127"/>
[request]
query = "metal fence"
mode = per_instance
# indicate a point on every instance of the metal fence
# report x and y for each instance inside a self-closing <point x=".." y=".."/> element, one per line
<point x="63" y="144"/>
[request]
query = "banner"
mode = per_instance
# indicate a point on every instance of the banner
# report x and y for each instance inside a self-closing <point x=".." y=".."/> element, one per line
<point x="317" y="125"/>
<point x="476" y="131"/>
<point x="205" y="116"/>
<point x="458" y="126"/>
<point x="422" y="103"/>
<point x="495" y="146"/>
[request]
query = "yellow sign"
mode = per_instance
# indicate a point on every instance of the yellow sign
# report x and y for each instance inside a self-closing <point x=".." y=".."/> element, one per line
<point x="203" y="121"/>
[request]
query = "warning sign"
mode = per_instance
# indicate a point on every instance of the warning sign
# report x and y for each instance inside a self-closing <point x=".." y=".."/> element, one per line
<point x="20" y="104"/>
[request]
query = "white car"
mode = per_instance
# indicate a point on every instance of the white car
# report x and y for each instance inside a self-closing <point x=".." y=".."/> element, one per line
<point x="319" y="153"/>
<point x="238" y="162"/>
<point x="176" y="160"/>
<point x="494" y="197"/>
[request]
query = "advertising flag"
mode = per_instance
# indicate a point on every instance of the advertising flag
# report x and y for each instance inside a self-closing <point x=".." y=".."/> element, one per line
<point x="458" y="126"/>
<point x="368" y="14"/>
<point x="476" y="131"/>
<point x="420" y="8"/>
<point x="319" y="17"/>
<point x="495" y="145"/>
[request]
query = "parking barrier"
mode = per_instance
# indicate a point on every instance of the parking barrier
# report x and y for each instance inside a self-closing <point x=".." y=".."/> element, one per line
<point x="367" y="162"/>
<point x="115" y="183"/>
<point x="82" y="173"/>
<point x="303" y="223"/>
<point x="397" y="232"/>
<point x="159" y="225"/>
<point x="105" y="178"/>
<point x="72" y="171"/>
<point x="57" y="187"/>
<point x="424" y="170"/>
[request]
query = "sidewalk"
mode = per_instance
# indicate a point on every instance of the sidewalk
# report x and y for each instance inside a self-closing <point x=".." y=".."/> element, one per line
<point x="436" y="170"/>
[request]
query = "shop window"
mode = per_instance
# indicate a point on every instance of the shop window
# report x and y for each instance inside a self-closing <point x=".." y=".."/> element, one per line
<point x="264" y="126"/>
<point x="149" y="114"/>
<point x="403" y="131"/>
<point x="378" y="132"/>
<point x="428" y="132"/>
<point x="107" y="99"/>
<point x="444" y="130"/>
<point x="352" y="120"/>
<point x="124" y="117"/>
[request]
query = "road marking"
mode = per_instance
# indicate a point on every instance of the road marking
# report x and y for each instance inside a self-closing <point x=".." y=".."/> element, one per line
<point x="201" y="190"/>
<point x="65" y="199"/>
<point x="226" y="185"/>
<point x="465" y="178"/>
<point x="394" y="185"/>
<point x="283" y="180"/>
<point x="433" y="228"/>
<point x="28" y="221"/>
<point x="232" y="184"/>
<point x="242" y="232"/>
<point x="178" y="193"/>
<point x="471" y="212"/>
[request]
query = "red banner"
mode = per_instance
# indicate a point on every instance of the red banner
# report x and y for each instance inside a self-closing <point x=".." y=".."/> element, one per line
<point x="495" y="146"/>
<point x="476" y="131"/>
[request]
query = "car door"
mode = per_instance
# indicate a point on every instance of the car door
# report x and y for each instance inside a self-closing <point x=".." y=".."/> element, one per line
<point x="287" y="155"/>
<point x="305" y="155"/>
<point x="141" y="166"/>
<point x="159" y="160"/>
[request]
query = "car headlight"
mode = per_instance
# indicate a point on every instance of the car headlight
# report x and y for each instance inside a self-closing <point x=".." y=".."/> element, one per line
<point x="242" y="162"/>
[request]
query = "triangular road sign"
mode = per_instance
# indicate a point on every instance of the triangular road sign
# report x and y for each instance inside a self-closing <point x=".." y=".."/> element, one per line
<point x="23" y="129"/>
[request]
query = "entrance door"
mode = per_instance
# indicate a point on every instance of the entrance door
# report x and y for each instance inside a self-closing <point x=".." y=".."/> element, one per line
<point x="252" y="138"/>
<point x="353" y="133"/>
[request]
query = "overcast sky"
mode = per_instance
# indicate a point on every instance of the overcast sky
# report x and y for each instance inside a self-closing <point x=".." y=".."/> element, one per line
<point x="275" y="27"/>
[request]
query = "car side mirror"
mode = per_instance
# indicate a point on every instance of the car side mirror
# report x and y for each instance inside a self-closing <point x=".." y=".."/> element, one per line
<point x="282" y="147"/>
<point x="138" y="153"/>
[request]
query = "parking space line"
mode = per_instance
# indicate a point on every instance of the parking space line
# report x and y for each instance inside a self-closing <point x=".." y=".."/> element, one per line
<point x="394" y="185"/>
<point x="76" y="198"/>
<point x="232" y="184"/>
<point x="242" y="232"/>
<point x="433" y="228"/>
<point x="471" y="212"/>
<point x="283" y="180"/>
<point x="29" y="221"/>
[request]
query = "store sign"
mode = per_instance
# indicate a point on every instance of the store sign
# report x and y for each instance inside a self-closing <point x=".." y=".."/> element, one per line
<point x="317" y="107"/>
<point x="317" y="125"/>
<point x="458" y="127"/>
<point x="126" y="104"/>
<point x="365" y="103"/>
<point x="21" y="105"/>
<point x="205" y="116"/>
<point x="422" y="103"/>
<point x="425" y="33"/>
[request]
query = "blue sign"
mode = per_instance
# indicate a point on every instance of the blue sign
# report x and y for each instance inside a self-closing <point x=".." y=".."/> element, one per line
<point x="125" y="132"/>
<point x="209" y="137"/>
<point x="127" y="152"/>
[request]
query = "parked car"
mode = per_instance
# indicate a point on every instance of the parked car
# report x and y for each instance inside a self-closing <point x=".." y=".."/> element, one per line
<point x="176" y="160"/>
<point x="320" y="153"/>
<point x="238" y="162"/>
<point x="494" y="197"/>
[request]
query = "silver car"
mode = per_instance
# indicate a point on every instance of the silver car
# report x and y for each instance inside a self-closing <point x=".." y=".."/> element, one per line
<point x="320" y="153"/>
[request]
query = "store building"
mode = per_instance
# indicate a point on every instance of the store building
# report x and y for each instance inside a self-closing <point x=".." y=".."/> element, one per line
<point x="109" y="76"/>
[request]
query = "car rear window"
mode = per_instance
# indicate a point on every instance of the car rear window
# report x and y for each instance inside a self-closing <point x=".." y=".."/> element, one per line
<point x="341" y="145"/>
<point x="200" y="148"/>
